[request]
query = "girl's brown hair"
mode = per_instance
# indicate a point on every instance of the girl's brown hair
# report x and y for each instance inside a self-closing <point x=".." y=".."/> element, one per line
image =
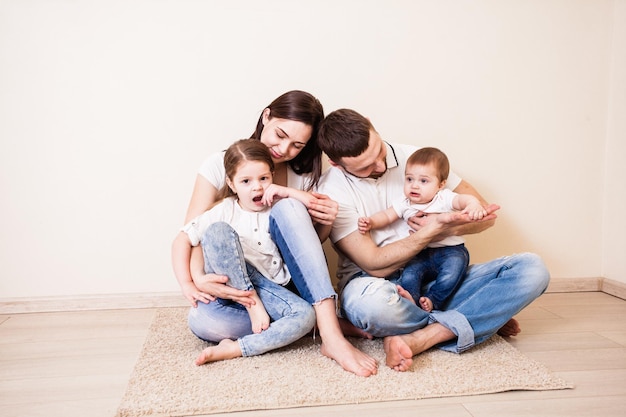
<point x="241" y="151"/>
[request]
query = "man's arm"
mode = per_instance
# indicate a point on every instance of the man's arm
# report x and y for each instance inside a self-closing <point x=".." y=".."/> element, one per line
<point x="382" y="261"/>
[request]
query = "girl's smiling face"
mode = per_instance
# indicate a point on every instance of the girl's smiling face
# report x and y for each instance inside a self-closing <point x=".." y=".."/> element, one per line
<point x="249" y="183"/>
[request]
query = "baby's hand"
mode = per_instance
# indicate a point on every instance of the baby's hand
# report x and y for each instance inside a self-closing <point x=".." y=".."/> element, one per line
<point x="475" y="211"/>
<point x="364" y="224"/>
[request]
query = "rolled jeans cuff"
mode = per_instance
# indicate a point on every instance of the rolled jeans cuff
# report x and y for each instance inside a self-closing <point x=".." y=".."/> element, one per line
<point x="459" y="325"/>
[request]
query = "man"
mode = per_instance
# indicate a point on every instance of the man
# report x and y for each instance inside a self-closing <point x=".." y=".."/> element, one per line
<point x="365" y="176"/>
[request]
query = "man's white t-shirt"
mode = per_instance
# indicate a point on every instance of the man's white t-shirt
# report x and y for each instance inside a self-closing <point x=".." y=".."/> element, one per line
<point x="358" y="197"/>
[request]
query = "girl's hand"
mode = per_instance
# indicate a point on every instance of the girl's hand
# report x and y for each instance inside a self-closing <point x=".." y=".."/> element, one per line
<point x="214" y="286"/>
<point x="322" y="209"/>
<point x="274" y="193"/>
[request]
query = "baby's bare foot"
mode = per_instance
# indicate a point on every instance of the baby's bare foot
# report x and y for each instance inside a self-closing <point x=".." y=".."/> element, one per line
<point x="426" y="304"/>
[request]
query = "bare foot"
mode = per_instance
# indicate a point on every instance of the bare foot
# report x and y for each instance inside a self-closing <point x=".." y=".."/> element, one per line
<point x="426" y="304"/>
<point x="511" y="328"/>
<point x="349" y="357"/>
<point x="349" y="329"/>
<point x="259" y="318"/>
<point x="226" y="349"/>
<point x="399" y="354"/>
<point x="405" y="294"/>
<point x="335" y="346"/>
<point x="401" y="349"/>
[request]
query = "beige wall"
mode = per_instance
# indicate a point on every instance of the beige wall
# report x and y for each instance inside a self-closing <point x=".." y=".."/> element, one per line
<point x="108" y="107"/>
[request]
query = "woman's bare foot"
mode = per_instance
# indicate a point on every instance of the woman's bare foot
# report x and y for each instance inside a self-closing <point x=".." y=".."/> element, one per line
<point x="335" y="346"/>
<point x="259" y="318"/>
<point x="511" y="328"/>
<point x="226" y="349"/>
<point x="426" y="304"/>
<point x="349" y="357"/>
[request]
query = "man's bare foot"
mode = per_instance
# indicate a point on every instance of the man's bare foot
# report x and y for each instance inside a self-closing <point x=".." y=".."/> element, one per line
<point x="401" y="349"/>
<point x="259" y="318"/>
<point x="511" y="328"/>
<point x="426" y="304"/>
<point x="226" y="349"/>
<point x="349" y="329"/>
<point x="349" y="357"/>
<point x="399" y="354"/>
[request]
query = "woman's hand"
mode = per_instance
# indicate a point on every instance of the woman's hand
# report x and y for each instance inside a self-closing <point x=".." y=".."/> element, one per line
<point x="212" y="286"/>
<point x="322" y="209"/>
<point x="193" y="294"/>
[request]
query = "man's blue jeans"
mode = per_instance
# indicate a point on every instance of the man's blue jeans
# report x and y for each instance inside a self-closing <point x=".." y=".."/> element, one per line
<point x="489" y="295"/>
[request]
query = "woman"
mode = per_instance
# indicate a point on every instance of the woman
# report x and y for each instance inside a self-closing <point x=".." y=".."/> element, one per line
<point x="288" y="127"/>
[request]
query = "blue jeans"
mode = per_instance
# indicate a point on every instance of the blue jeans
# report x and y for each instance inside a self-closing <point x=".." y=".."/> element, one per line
<point x="489" y="295"/>
<point x="292" y="317"/>
<point x="292" y="230"/>
<point x="445" y="266"/>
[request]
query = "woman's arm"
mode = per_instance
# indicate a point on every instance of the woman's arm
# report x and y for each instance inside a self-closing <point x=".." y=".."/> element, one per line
<point x="203" y="196"/>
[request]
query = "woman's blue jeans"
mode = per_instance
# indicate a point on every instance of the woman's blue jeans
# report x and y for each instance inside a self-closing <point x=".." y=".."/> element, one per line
<point x="292" y="317"/>
<point x="489" y="295"/>
<point x="292" y="230"/>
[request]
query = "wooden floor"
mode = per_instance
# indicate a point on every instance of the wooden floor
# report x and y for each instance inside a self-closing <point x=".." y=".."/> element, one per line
<point x="78" y="364"/>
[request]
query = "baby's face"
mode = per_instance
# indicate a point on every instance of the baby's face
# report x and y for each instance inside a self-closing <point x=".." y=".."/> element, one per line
<point x="421" y="183"/>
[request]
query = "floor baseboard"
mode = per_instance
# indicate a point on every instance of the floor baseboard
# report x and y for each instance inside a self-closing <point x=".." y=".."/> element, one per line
<point x="158" y="300"/>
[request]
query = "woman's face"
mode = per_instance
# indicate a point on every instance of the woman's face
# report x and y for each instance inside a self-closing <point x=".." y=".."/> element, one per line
<point x="285" y="138"/>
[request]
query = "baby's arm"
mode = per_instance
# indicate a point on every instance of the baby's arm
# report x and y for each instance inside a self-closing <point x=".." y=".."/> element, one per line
<point x="469" y="205"/>
<point x="377" y="220"/>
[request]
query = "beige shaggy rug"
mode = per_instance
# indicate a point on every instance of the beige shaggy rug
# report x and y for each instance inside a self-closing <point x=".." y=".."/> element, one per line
<point x="165" y="380"/>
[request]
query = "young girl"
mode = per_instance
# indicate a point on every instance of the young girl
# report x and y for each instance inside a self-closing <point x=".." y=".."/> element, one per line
<point x="446" y="260"/>
<point x="234" y="235"/>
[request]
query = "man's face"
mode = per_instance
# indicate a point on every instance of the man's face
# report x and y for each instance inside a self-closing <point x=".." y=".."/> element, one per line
<point x="372" y="163"/>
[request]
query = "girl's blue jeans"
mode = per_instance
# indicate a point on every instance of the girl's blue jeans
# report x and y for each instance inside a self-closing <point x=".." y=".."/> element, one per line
<point x="292" y="317"/>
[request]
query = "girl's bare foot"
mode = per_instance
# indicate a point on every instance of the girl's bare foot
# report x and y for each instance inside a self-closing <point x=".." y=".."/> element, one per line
<point x="426" y="304"/>
<point x="226" y="349"/>
<point x="259" y="318"/>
